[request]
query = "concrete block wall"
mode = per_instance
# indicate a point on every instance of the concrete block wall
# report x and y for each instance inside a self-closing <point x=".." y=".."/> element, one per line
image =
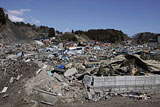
<point x="126" y="83"/>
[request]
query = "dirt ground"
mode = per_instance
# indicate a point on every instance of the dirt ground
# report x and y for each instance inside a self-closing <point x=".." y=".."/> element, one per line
<point x="15" y="96"/>
<point x="118" y="102"/>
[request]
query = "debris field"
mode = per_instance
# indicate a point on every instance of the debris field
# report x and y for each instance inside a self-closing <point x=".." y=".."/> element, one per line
<point x="67" y="74"/>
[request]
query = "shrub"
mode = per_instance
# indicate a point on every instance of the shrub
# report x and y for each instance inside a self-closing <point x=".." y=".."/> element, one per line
<point x="68" y="37"/>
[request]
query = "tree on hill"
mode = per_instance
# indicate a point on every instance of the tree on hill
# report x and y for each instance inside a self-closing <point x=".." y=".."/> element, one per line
<point x="104" y="35"/>
<point x="72" y="31"/>
<point x="145" y="37"/>
<point x="79" y="32"/>
<point x="68" y="37"/>
<point x="51" y="32"/>
<point x="2" y="17"/>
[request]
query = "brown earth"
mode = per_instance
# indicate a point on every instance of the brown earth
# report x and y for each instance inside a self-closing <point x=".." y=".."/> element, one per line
<point x="15" y="95"/>
<point x="118" y="102"/>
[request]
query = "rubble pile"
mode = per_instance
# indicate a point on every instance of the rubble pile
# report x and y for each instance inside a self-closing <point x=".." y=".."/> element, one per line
<point x="13" y="78"/>
<point x="44" y="73"/>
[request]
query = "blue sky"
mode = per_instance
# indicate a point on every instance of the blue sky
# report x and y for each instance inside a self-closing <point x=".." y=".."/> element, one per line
<point x="130" y="16"/>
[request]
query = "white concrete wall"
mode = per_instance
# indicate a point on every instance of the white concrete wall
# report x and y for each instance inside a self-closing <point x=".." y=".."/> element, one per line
<point x="126" y="83"/>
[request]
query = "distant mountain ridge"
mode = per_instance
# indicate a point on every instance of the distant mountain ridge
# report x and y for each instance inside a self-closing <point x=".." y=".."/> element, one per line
<point x="145" y="37"/>
<point x="11" y="32"/>
<point x="104" y="35"/>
